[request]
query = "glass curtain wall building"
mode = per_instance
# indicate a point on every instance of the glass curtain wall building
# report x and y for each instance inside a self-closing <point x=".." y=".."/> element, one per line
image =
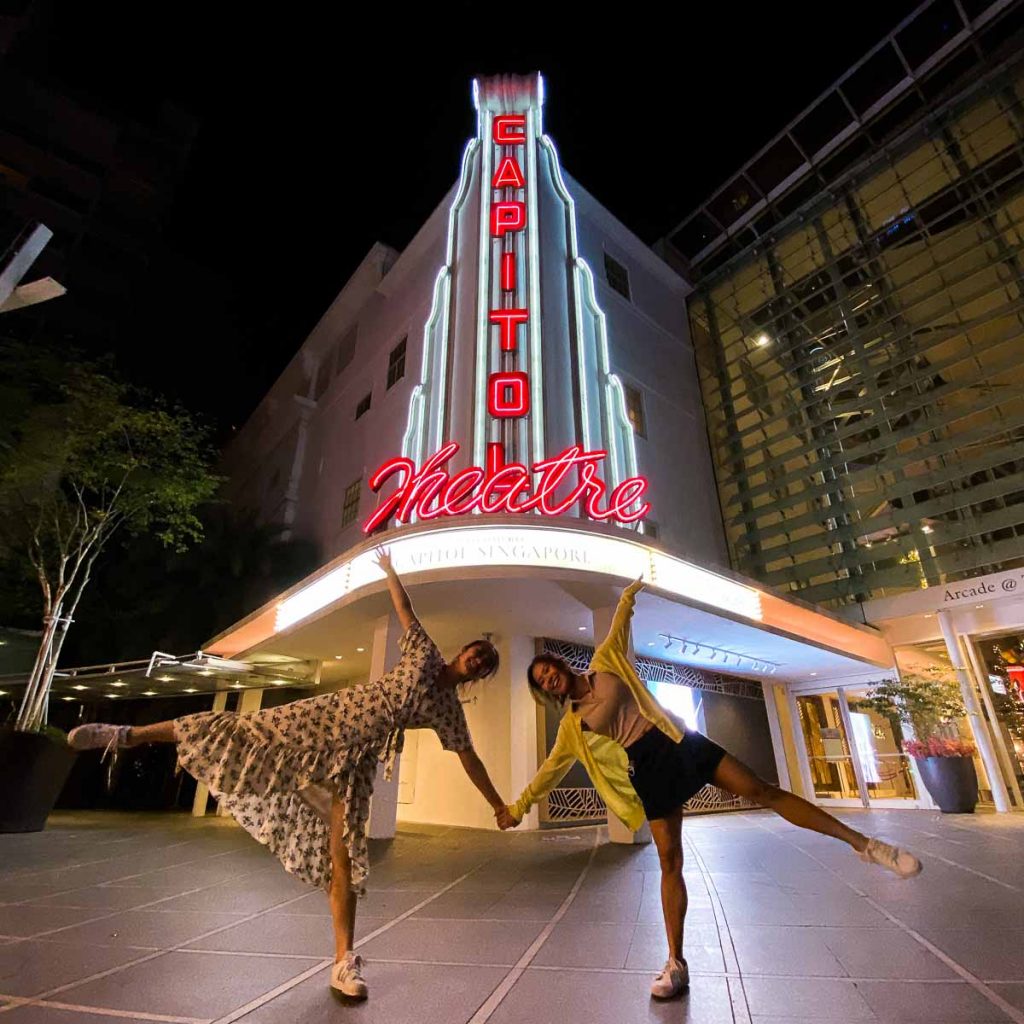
<point x="858" y="318"/>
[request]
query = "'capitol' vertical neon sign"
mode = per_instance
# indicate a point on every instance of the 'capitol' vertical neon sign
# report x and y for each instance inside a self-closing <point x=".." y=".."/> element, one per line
<point x="571" y="480"/>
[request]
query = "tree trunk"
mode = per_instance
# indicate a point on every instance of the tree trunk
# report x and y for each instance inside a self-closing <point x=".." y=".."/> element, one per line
<point x="29" y="719"/>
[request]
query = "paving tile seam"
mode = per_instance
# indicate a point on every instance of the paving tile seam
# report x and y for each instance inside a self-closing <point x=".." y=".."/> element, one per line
<point x="150" y="956"/>
<point x="737" y="992"/>
<point x="495" y="999"/>
<point x="979" y="986"/>
<point x="104" y="1011"/>
<point x="286" y="986"/>
<point x="115" y="913"/>
<point x="109" y="883"/>
<point x="22" y="876"/>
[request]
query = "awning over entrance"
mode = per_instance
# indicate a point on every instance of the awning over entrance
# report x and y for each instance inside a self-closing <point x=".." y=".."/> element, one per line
<point x="493" y="576"/>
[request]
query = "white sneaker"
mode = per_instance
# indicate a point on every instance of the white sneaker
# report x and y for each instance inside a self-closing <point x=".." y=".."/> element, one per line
<point x="899" y="862"/>
<point x="96" y="734"/>
<point x="673" y="980"/>
<point x="347" y="977"/>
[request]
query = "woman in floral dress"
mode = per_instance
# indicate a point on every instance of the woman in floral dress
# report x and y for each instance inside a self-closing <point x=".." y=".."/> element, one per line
<point x="299" y="777"/>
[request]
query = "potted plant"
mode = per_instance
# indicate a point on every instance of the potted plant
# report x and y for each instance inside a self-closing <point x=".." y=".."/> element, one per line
<point x="38" y="762"/>
<point x="929" y="700"/>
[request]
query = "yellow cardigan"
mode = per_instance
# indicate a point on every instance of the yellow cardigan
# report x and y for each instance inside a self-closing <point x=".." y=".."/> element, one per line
<point x="604" y="759"/>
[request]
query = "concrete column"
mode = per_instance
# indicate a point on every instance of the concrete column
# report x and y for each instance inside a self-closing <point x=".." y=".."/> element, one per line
<point x="617" y="832"/>
<point x="771" y="708"/>
<point x="384" y="655"/>
<point x="525" y="729"/>
<point x="851" y="742"/>
<point x="978" y="725"/>
<point x="220" y="701"/>
<point x="800" y="747"/>
<point x="1006" y="760"/>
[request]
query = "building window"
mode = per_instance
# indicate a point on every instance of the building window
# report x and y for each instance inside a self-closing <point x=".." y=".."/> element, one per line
<point x="350" y="506"/>
<point x="364" y="405"/>
<point x="650" y="529"/>
<point x="617" y="276"/>
<point x="635" y="410"/>
<point x="396" y="364"/>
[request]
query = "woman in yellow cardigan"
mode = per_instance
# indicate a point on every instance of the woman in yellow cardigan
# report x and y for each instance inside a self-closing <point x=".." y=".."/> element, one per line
<point x="645" y="763"/>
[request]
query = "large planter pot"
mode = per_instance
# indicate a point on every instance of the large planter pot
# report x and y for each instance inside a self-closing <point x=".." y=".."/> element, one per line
<point x="33" y="769"/>
<point x="952" y="782"/>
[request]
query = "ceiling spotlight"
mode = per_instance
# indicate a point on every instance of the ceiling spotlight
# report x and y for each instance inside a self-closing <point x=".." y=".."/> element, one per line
<point x="360" y="649"/>
<point x="650" y="643"/>
<point x="3" y="693"/>
<point x="762" y="339"/>
<point x="117" y="682"/>
<point x="279" y="682"/>
<point x="165" y="679"/>
<point x="582" y="629"/>
<point x="67" y="698"/>
<point x="237" y="686"/>
<point x="338" y="657"/>
<point x="79" y="687"/>
<point x="205" y="672"/>
<point x="149" y="693"/>
<point x="113" y="696"/>
<point x="191" y="689"/>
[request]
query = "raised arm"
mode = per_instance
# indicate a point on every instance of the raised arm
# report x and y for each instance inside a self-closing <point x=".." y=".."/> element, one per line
<point x="618" y="633"/>
<point x="400" y="599"/>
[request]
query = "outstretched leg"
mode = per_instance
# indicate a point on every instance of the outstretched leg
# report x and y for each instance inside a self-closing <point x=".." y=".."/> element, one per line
<point x="737" y="778"/>
<point x="158" y="732"/>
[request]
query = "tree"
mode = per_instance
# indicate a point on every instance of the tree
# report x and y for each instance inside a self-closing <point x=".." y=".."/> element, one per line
<point x="86" y="458"/>
<point x="929" y="700"/>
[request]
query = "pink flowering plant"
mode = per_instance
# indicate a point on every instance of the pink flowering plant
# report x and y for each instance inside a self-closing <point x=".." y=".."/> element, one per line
<point x="929" y="701"/>
<point x="937" y="746"/>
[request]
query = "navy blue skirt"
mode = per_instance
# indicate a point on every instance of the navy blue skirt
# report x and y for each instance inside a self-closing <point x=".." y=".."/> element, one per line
<point x="666" y="774"/>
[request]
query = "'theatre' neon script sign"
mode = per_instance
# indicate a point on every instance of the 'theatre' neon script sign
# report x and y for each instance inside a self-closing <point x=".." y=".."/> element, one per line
<point x="431" y="491"/>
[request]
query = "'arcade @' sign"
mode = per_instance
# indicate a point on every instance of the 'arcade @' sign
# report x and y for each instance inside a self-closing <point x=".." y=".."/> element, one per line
<point x="430" y="492"/>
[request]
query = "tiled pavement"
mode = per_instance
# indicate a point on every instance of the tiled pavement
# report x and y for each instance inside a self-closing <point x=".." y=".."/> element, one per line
<point x="109" y="917"/>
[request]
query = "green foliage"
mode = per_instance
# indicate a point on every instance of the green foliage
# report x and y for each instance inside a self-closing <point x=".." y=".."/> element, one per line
<point x="81" y="451"/>
<point x="928" y="700"/>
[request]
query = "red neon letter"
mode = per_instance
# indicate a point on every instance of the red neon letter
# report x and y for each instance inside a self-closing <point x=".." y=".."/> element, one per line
<point x="504" y="482"/>
<point x="505" y="217"/>
<point x="508" y="394"/>
<point x="509" y="174"/>
<point x="623" y="496"/>
<point x="509" y="320"/>
<point x="383" y="511"/>
<point x="508" y="271"/>
<point x="505" y="133"/>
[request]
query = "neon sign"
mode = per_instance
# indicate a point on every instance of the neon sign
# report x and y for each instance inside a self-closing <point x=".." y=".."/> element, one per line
<point x="430" y="491"/>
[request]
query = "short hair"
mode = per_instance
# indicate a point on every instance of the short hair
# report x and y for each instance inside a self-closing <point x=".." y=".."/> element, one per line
<point x="488" y="655"/>
<point x="539" y="694"/>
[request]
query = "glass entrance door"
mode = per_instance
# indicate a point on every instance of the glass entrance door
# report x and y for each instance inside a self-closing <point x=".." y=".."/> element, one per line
<point x="879" y="746"/>
<point x="828" y="748"/>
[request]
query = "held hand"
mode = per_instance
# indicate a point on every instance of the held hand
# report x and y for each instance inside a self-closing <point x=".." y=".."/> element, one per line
<point x="384" y="561"/>
<point x="504" y="818"/>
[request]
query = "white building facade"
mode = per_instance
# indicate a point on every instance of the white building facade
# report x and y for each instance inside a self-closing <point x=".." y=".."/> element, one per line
<point x="511" y="404"/>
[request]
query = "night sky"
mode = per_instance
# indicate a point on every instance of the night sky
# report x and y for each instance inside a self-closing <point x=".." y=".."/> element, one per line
<point x="321" y="134"/>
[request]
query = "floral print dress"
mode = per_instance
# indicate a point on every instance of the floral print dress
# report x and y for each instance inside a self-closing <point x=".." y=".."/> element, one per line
<point x="275" y="770"/>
